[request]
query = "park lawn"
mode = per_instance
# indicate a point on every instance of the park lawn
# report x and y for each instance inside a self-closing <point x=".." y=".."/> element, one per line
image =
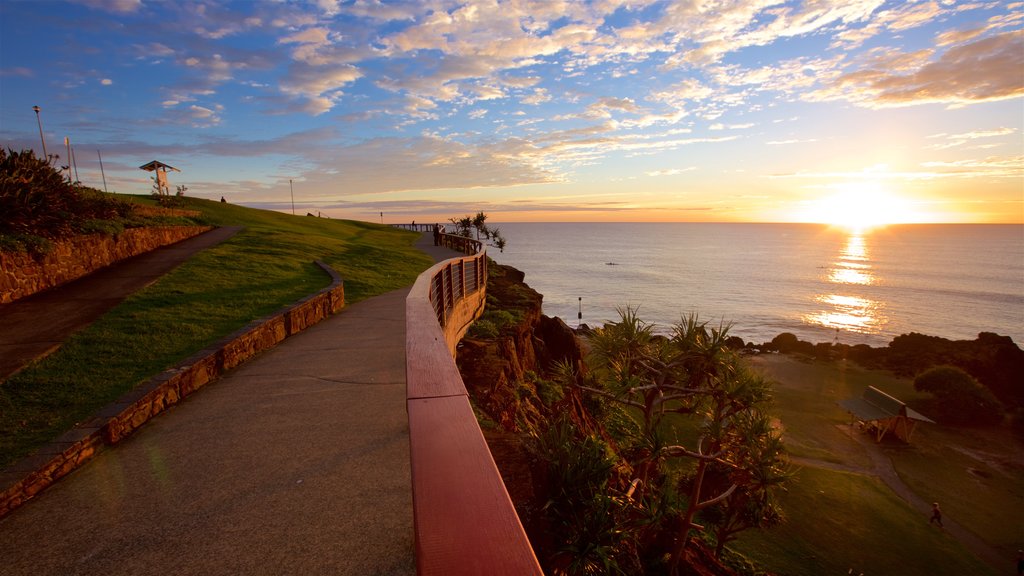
<point x="806" y="398"/>
<point x="839" y="521"/>
<point x="975" y="474"/>
<point x="262" y="269"/>
<point x="979" y="484"/>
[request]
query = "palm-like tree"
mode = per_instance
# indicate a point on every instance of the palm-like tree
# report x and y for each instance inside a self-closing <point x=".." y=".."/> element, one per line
<point x="692" y="373"/>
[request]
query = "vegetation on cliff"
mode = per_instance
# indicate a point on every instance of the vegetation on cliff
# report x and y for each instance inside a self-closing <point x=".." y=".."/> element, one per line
<point x="621" y="456"/>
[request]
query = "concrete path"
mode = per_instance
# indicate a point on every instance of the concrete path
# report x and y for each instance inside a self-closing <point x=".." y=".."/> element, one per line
<point x="39" y="324"/>
<point x="295" y="463"/>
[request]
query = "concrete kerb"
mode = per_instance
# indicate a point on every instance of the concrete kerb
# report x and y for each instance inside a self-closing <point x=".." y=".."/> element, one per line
<point x="26" y="478"/>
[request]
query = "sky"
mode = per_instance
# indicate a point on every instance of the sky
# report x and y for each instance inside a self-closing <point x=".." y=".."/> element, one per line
<point x="840" y="111"/>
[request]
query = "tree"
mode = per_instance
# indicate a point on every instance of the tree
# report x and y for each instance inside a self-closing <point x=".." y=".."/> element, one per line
<point x="754" y="504"/>
<point x="959" y="397"/>
<point x="695" y="375"/>
<point x="470" y="226"/>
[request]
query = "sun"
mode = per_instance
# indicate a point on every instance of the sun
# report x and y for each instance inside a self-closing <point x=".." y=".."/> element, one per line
<point x="860" y="206"/>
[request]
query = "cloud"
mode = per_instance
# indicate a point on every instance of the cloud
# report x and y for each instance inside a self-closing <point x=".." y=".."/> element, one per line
<point x="705" y="32"/>
<point x="318" y="86"/>
<point x="425" y="163"/>
<point x="604" y="107"/>
<point x="17" y="71"/>
<point x="671" y="171"/>
<point x="985" y="70"/>
<point x="790" y="141"/>
<point x="1011" y="167"/>
<point x="116" y="6"/>
<point x="538" y="96"/>
<point x="154" y="50"/>
<point x="106" y="81"/>
<point x="956" y="140"/>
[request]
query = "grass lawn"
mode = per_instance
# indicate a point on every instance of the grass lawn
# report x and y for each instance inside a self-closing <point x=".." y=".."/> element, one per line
<point x="264" y="268"/>
<point x="975" y="476"/>
<point x="839" y="521"/>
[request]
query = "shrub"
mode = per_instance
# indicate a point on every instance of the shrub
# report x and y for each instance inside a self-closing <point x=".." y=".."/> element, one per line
<point x="36" y="200"/>
<point x="960" y="399"/>
<point x="483" y="329"/>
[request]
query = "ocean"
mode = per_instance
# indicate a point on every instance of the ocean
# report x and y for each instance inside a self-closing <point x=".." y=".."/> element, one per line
<point x="821" y="283"/>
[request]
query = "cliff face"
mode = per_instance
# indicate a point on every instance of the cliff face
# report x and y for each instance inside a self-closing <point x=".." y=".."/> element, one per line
<point x="504" y="376"/>
<point x="501" y="373"/>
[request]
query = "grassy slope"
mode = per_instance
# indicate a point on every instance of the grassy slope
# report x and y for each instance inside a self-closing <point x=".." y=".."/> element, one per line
<point x="840" y="521"/>
<point x="263" y="268"/>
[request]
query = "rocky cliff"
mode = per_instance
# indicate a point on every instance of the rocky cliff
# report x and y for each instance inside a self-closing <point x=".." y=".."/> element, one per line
<point x="504" y="372"/>
<point x="505" y="364"/>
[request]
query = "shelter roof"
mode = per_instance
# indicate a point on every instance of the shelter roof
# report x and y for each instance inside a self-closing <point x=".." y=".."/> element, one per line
<point x="156" y="164"/>
<point x="877" y="405"/>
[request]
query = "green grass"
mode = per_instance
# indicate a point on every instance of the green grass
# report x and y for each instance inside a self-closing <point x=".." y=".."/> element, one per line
<point x="838" y="521"/>
<point x="262" y="269"/>
<point x="979" y="486"/>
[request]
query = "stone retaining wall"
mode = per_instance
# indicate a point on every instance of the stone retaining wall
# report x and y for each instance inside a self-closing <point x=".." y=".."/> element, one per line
<point x="24" y="274"/>
<point x="115" y="422"/>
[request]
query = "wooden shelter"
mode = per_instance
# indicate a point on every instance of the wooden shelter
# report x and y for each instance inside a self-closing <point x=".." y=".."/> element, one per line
<point x="882" y="414"/>
<point x="161" y="174"/>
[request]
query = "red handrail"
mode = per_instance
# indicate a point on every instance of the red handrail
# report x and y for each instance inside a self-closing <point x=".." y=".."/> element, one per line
<point x="465" y="522"/>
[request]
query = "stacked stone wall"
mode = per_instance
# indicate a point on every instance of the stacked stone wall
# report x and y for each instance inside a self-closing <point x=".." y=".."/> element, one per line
<point x="23" y="274"/>
<point x="118" y="420"/>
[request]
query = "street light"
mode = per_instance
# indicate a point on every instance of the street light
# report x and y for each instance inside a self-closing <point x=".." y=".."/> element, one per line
<point x="40" y="123"/>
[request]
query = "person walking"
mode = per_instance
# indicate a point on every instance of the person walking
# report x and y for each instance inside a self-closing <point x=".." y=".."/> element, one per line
<point x="936" y="514"/>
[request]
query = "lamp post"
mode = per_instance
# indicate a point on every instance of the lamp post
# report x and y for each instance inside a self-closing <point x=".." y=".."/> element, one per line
<point x="293" y="195"/>
<point x="40" y="123"/>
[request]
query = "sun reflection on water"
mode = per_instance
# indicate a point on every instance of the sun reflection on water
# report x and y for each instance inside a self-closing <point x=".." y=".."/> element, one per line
<point x="853" y="265"/>
<point x="847" y="311"/>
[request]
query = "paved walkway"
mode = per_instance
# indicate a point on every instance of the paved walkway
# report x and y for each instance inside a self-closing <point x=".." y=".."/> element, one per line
<point x="297" y="462"/>
<point x="37" y="325"/>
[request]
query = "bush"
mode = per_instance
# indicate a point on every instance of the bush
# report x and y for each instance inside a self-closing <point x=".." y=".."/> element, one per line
<point x="959" y="398"/>
<point x="36" y="200"/>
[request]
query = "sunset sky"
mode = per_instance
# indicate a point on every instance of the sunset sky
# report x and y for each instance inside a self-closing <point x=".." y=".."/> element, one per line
<point x="552" y="111"/>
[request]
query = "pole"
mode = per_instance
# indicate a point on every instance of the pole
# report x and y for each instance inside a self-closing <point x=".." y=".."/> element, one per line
<point x="75" y="164"/>
<point x="102" y="172"/>
<point x="381" y="217"/>
<point x="67" y="146"/>
<point x="293" y="195"/>
<point x="41" y="138"/>
<point x="579" y="316"/>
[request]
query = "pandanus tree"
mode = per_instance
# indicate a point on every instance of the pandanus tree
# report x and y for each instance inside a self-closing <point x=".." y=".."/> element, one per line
<point x="470" y="226"/>
<point x="692" y="374"/>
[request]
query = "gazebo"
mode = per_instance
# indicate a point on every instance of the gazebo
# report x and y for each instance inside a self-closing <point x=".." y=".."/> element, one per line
<point x="882" y="414"/>
<point x="161" y="174"/>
